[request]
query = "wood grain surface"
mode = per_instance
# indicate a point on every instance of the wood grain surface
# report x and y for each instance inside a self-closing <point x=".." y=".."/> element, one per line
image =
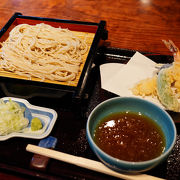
<point x="132" y="24"/>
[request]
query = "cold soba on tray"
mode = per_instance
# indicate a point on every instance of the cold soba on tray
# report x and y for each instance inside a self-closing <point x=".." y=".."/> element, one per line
<point x="45" y="52"/>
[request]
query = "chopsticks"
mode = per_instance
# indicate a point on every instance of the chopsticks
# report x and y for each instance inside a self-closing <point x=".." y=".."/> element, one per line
<point x="85" y="163"/>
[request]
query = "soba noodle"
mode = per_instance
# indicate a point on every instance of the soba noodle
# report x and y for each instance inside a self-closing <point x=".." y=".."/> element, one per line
<point x="42" y="51"/>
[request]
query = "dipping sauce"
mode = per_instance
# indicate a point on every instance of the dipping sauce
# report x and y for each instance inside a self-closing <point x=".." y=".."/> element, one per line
<point x="130" y="136"/>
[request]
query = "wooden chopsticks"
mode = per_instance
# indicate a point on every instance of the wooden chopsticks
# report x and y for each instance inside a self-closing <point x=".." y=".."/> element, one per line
<point x="85" y="163"/>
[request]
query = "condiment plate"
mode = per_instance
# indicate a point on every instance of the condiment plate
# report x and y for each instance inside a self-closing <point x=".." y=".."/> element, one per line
<point x="46" y="115"/>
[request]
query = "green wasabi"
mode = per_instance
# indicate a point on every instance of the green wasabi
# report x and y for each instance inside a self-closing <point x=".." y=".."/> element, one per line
<point x="36" y="124"/>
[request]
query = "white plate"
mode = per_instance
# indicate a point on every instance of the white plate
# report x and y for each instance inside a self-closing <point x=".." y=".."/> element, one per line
<point x="46" y="115"/>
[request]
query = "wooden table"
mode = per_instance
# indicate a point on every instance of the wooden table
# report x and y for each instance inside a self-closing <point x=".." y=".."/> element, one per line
<point x="132" y="24"/>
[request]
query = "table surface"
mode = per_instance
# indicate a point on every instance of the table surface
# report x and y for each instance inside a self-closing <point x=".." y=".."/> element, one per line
<point x="138" y="25"/>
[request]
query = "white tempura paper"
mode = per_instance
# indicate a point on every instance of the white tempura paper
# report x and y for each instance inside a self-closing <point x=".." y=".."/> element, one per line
<point x="120" y="78"/>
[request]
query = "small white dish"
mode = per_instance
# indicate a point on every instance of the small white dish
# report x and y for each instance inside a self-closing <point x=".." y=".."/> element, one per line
<point x="46" y="115"/>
